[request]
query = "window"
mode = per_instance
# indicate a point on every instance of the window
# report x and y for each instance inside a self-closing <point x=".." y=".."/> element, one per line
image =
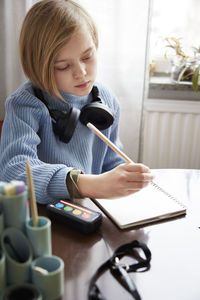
<point x="173" y="18"/>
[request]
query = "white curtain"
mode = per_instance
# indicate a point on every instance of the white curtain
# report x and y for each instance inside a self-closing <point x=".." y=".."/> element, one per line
<point x="123" y="31"/>
<point x="11" y="76"/>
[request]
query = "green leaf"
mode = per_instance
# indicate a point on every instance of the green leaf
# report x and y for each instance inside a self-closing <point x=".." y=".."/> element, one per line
<point x="195" y="79"/>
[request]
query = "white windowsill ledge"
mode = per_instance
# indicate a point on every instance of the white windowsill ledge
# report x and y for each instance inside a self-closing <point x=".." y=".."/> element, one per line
<point x="161" y="87"/>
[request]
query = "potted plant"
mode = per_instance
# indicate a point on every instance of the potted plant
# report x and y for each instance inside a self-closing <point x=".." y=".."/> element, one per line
<point x="185" y="68"/>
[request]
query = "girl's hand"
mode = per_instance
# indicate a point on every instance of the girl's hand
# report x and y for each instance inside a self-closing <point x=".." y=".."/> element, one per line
<point x="121" y="181"/>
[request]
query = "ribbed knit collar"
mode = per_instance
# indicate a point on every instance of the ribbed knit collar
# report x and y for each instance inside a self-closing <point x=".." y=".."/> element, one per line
<point x="69" y="100"/>
<point x="73" y="99"/>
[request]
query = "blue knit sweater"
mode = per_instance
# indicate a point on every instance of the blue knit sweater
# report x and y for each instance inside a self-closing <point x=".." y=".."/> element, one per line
<point x="27" y="134"/>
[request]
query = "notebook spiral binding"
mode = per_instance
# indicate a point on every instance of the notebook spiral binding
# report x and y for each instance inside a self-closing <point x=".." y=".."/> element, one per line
<point x="167" y="194"/>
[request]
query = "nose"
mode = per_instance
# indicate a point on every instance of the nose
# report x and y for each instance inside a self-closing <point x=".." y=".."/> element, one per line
<point x="79" y="70"/>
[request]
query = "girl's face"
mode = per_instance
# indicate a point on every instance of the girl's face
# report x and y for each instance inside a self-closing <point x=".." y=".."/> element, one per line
<point x="75" y="65"/>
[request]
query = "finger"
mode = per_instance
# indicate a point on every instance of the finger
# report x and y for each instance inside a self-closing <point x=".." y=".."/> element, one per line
<point x="139" y="177"/>
<point x="136" y="185"/>
<point x="134" y="189"/>
<point x="131" y="167"/>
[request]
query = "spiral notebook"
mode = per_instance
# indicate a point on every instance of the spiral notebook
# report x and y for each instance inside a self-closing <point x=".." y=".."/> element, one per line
<point x="151" y="204"/>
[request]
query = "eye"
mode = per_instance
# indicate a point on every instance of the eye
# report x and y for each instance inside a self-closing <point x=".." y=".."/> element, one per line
<point x="87" y="57"/>
<point x="63" y="69"/>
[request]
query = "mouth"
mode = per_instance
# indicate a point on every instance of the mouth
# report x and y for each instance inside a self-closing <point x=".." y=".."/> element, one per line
<point x="82" y="85"/>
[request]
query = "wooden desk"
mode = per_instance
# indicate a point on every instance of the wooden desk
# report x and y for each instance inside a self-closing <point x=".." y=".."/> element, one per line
<point x="175" y="247"/>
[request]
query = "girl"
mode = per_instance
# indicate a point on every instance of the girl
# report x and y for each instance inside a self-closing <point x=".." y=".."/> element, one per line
<point x="46" y="117"/>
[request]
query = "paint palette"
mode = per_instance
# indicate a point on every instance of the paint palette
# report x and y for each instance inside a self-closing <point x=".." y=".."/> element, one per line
<point x="75" y="216"/>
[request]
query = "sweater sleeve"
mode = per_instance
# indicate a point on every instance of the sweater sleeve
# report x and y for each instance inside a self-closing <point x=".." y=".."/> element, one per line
<point x="20" y="141"/>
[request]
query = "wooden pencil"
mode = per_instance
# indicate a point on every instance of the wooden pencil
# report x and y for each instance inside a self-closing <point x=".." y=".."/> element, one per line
<point x="115" y="148"/>
<point x="109" y="143"/>
<point x="33" y="205"/>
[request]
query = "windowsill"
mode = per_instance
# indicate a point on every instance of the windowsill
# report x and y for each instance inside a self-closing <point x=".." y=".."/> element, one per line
<point x="161" y="87"/>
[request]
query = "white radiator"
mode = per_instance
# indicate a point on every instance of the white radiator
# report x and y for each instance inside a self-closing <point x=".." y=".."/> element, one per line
<point x="171" y="134"/>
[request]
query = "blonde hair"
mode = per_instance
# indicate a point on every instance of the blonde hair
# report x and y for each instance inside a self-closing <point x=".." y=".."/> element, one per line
<point x="47" y="27"/>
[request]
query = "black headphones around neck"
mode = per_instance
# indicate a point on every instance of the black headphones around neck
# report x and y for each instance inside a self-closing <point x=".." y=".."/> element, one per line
<point x="64" y="123"/>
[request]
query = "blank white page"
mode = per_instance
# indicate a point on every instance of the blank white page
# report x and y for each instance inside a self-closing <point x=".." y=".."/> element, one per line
<point x="146" y="206"/>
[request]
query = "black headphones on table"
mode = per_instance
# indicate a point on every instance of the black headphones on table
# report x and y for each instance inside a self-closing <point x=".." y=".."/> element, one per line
<point x="64" y="123"/>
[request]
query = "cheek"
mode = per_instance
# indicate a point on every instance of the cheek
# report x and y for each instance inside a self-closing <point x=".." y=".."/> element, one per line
<point x="93" y="67"/>
<point x="60" y="77"/>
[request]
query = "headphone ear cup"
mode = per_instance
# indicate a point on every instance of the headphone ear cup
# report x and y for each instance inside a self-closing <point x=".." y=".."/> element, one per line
<point x="98" y="114"/>
<point x="64" y="124"/>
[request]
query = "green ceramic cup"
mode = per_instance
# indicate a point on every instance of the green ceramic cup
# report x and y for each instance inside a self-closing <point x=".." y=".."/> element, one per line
<point x="25" y="291"/>
<point x="15" y="210"/>
<point x="40" y="236"/>
<point x="1" y="218"/>
<point x="18" y="253"/>
<point x="2" y="272"/>
<point x="47" y="273"/>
